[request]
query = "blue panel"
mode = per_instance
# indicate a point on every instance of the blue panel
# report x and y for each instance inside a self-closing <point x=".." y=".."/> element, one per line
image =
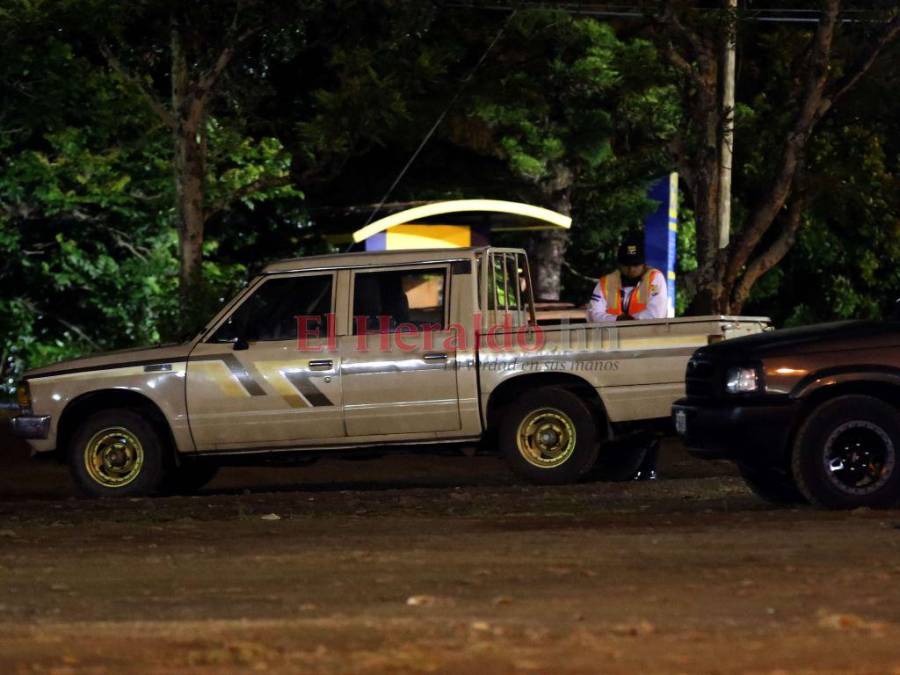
<point x="661" y="231"/>
<point x="377" y="242"/>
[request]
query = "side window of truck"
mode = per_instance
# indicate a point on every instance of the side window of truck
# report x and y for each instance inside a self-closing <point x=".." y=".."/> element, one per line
<point x="271" y="312"/>
<point x="382" y="301"/>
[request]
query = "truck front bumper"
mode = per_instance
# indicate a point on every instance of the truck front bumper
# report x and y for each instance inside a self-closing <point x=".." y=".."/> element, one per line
<point x="715" y="430"/>
<point x="34" y="427"/>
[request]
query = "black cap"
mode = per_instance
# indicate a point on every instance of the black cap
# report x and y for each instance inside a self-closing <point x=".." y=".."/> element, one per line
<point x="631" y="250"/>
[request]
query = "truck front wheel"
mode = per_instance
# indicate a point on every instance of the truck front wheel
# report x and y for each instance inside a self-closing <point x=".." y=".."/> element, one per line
<point x="116" y="453"/>
<point x="548" y="436"/>
<point x="846" y="454"/>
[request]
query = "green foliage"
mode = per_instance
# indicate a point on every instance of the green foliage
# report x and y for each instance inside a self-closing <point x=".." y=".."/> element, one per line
<point x="326" y="102"/>
<point x="573" y="109"/>
<point x="87" y="228"/>
<point x="238" y="162"/>
<point x="843" y="265"/>
<point x="551" y="109"/>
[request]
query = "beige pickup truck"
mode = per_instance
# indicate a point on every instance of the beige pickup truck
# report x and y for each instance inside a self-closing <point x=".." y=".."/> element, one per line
<point x="346" y="352"/>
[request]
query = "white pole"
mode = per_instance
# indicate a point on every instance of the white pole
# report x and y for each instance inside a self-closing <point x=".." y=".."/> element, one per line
<point x="726" y="144"/>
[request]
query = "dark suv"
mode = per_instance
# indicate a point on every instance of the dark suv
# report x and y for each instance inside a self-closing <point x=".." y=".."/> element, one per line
<point x="809" y="414"/>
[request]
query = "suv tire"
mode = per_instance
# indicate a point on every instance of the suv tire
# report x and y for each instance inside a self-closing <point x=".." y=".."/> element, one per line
<point x="846" y="454"/>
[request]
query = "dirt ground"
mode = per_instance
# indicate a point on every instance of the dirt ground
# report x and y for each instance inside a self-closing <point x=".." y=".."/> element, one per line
<point x="411" y="564"/>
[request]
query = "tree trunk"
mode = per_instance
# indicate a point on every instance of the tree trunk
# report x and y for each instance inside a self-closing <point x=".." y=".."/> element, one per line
<point x="190" y="164"/>
<point x="704" y="188"/>
<point x="190" y="171"/>
<point x="548" y="250"/>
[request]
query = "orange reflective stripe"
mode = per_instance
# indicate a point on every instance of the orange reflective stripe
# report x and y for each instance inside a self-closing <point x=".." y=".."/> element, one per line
<point x="640" y="297"/>
<point x="610" y="286"/>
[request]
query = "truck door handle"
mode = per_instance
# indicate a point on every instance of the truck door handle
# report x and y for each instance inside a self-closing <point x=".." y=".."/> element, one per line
<point x="435" y="356"/>
<point x="321" y="364"/>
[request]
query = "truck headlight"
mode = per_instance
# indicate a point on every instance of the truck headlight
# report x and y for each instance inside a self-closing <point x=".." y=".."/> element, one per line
<point x="742" y="380"/>
<point x="23" y="396"/>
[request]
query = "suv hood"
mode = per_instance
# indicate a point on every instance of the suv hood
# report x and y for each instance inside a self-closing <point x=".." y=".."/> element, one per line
<point x="117" y="359"/>
<point x="838" y="336"/>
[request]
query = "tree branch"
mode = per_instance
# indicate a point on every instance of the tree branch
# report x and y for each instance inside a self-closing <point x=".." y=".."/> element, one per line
<point x="208" y="80"/>
<point x="680" y="64"/>
<point x="837" y="90"/>
<point x="805" y="119"/>
<point x="265" y="183"/>
<point x="578" y="274"/>
<point x="772" y="256"/>
<point x="155" y="105"/>
<point x="66" y="324"/>
<point x="672" y="25"/>
<point x="669" y="17"/>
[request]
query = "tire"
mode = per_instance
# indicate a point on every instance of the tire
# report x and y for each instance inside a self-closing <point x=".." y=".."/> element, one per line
<point x="846" y="454"/>
<point x="571" y="423"/>
<point x="771" y="485"/>
<point x="117" y="453"/>
<point x="190" y="477"/>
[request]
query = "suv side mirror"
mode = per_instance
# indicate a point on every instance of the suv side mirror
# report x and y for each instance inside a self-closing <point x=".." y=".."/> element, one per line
<point x="240" y="345"/>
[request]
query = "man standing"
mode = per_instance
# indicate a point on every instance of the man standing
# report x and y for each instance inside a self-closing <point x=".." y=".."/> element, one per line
<point x="634" y="291"/>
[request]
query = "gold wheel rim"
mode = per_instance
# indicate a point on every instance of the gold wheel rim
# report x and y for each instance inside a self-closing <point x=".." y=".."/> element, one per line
<point x="546" y="438"/>
<point x="114" y="457"/>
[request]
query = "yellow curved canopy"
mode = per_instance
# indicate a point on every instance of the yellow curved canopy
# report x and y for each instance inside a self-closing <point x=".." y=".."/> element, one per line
<point x="457" y="206"/>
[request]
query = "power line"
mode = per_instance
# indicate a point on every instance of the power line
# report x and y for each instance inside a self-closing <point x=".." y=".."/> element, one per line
<point x="444" y="112"/>
<point x="768" y="15"/>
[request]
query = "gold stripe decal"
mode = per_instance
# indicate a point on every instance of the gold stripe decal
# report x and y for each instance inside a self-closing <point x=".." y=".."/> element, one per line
<point x="290" y="379"/>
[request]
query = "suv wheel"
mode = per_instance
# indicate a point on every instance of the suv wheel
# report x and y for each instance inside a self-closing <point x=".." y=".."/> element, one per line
<point x="846" y="454"/>
<point x="116" y="453"/>
<point x="548" y="436"/>
<point x="770" y="484"/>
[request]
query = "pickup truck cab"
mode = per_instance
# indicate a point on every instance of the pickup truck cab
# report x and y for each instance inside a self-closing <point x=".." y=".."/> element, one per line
<point x="808" y="414"/>
<point x="349" y="351"/>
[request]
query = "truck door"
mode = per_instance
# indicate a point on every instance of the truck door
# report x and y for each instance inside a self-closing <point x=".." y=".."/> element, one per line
<point x="256" y="383"/>
<point x="398" y="367"/>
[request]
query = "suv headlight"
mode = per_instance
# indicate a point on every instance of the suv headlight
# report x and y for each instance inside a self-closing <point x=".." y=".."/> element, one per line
<point x="742" y="380"/>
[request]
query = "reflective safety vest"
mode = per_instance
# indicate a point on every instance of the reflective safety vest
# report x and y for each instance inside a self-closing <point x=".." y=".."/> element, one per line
<point x="611" y="287"/>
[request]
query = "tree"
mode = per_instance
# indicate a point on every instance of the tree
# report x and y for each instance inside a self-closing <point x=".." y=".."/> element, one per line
<point x="90" y="254"/>
<point x="551" y="106"/>
<point x="203" y="42"/>
<point x="823" y="75"/>
<point x="847" y="248"/>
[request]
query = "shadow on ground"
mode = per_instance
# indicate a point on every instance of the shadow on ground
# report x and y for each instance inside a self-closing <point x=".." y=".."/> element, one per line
<point x="24" y="477"/>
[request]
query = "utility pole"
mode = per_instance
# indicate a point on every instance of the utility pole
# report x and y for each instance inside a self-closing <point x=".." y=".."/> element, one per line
<point x="726" y="143"/>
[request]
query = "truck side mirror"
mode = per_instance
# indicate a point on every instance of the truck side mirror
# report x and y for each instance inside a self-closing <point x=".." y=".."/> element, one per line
<point x="240" y="345"/>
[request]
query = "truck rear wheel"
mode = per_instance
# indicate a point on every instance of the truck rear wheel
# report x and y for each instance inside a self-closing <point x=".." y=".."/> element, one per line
<point x="846" y="454"/>
<point x="770" y="484"/>
<point x="548" y="436"/>
<point x="116" y="453"/>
